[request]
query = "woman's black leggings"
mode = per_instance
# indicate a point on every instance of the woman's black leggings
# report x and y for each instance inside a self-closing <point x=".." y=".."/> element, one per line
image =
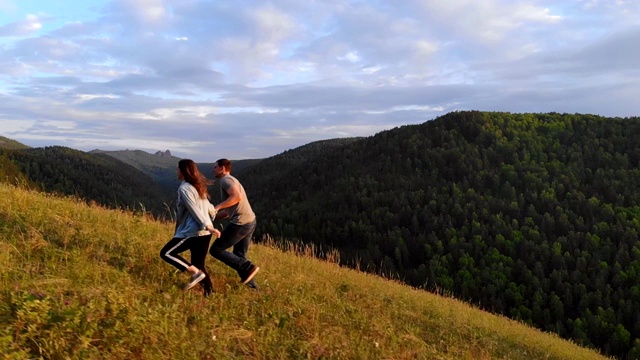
<point x="199" y="247"/>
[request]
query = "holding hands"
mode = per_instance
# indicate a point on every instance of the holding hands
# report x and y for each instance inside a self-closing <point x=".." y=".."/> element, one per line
<point x="213" y="214"/>
<point x="213" y="231"/>
<point x="222" y="215"/>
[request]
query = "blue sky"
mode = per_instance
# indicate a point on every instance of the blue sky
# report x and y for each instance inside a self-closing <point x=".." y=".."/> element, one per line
<point x="251" y="79"/>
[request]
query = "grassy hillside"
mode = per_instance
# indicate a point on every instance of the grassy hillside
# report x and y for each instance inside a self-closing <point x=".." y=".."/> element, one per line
<point x="10" y="173"/>
<point x="6" y="143"/>
<point x="78" y="281"/>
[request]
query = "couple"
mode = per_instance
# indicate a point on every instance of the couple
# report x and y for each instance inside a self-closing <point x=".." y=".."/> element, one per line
<point x="194" y="226"/>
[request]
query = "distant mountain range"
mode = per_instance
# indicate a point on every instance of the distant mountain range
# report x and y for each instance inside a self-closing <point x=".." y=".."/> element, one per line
<point x="161" y="166"/>
<point x="92" y="177"/>
<point x="124" y="178"/>
<point x="142" y="160"/>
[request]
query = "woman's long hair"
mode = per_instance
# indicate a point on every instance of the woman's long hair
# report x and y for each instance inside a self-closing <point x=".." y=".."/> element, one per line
<point x="192" y="175"/>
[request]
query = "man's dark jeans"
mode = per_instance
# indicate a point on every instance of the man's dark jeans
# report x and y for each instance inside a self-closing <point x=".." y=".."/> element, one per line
<point x="238" y="236"/>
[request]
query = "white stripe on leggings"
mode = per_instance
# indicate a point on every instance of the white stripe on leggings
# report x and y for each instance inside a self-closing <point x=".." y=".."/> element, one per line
<point x="168" y="254"/>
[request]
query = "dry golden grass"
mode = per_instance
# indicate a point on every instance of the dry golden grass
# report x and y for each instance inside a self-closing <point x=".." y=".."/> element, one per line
<point x="80" y="281"/>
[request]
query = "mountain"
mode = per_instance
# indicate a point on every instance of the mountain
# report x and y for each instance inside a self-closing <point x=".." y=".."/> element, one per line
<point x="92" y="177"/>
<point x="272" y="169"/>
<point x="533" y="216"/>
<point x="6" y="143"/>
<point x="142" y="160"/>
<point x="161" y="166"/>
<point x="84" y="282"/>
<point x="264" y="171"/>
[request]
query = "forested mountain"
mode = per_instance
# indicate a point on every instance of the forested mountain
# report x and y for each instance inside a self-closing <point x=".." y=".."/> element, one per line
<point x="93" y="177"/>
<point x="271" y="169"/>
<point x="239" y="167"/>
<point x="535" y="216"/>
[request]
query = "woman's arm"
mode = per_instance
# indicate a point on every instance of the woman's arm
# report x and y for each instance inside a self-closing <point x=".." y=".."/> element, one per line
<point x="190" y="197"/>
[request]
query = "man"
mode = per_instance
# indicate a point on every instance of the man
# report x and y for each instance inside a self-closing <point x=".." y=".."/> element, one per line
<point x="242" y="223"/>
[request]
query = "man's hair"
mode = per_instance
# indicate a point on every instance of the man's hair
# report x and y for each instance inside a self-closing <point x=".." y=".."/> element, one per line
<point x="224" y="163"/>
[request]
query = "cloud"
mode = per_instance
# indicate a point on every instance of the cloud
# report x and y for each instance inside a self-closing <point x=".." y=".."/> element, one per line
<point x="21" y="28"/>
<point x="255" y="78"/>
<point x="8" y="6"/>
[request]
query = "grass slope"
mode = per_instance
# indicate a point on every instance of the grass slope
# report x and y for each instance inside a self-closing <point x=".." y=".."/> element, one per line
<point x="78" y="281"/>
<point x="6" y="143"/>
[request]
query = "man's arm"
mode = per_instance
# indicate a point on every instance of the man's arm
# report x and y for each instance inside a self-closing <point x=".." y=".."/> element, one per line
<point x="234" y="197"/>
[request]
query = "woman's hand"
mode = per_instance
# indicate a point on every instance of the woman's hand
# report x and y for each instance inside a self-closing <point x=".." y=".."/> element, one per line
<point x="213" y="231"/>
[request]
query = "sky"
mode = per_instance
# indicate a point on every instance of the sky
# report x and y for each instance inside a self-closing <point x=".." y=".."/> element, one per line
<point x="249" y="79"/>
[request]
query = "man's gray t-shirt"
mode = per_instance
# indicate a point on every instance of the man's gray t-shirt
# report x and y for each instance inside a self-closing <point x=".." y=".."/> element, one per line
<point x="240" y="213"/>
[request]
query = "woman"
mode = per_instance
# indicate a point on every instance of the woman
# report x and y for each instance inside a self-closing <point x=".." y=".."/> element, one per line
<point x="193" y="226"/>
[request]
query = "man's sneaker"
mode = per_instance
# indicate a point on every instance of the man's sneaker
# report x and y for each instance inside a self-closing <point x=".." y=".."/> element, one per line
<point x="195" y="279"/>
<point x="249" y="274"/>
